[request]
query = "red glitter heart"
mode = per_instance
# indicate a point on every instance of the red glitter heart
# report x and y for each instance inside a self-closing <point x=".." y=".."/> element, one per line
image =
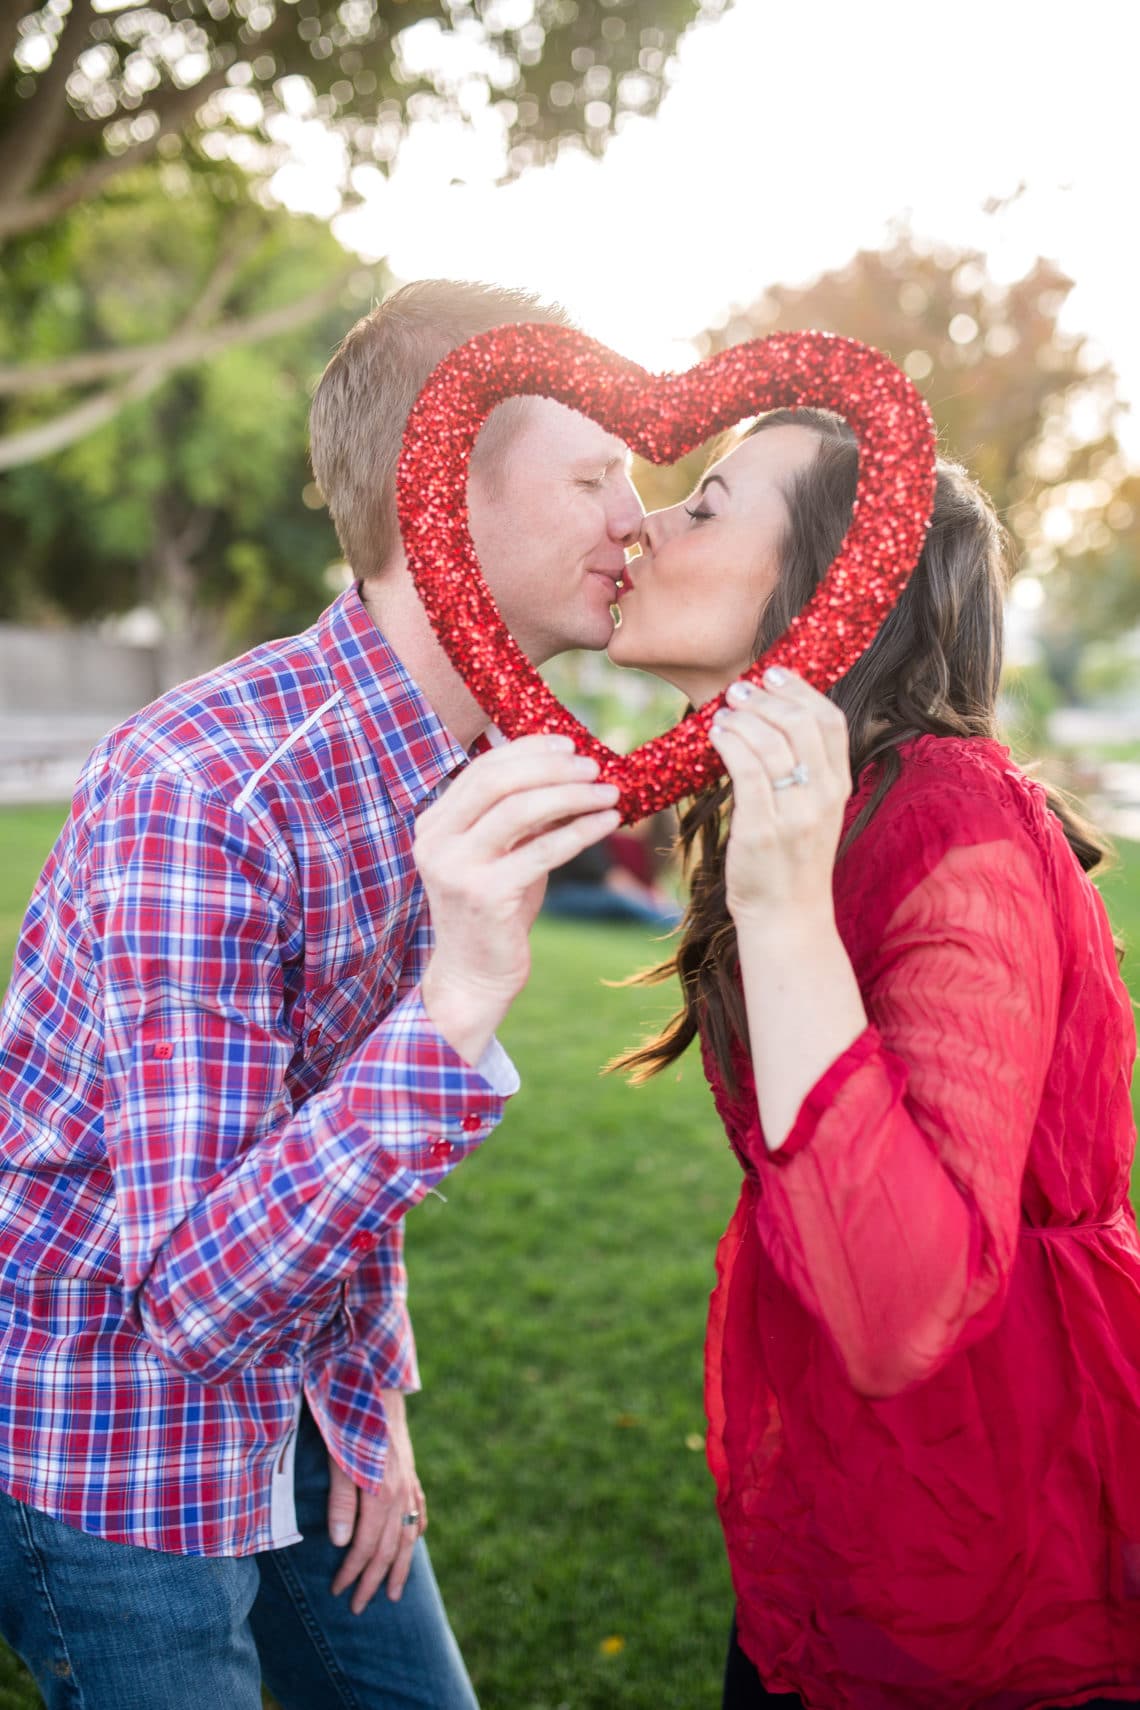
<point x="662" y="416"/>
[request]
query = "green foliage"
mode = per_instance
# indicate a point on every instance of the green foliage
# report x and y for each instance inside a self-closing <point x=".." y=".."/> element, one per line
<point x="623" y="708"/>
<point x="209" y="473"/>
<point x="1030" y="408"/>
<point x="1029" y="696"/>
<point x="556" y="70"/>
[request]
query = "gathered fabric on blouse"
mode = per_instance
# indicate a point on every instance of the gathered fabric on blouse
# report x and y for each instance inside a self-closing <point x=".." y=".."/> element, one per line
<point x="923" y="1355"/>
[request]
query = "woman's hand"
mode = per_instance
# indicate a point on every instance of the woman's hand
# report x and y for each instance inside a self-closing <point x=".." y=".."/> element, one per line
<point x="803" y="1001"/>
<point x="784" y="836"/>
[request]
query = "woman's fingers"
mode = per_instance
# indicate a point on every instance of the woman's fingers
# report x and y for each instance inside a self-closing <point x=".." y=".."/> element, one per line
<point x="784" y="696"/>
<point x="787" y="724"/>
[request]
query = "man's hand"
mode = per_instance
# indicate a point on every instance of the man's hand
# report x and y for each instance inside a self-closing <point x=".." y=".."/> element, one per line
<point x="484" y="851"/>
<point x="372" y="1525"/>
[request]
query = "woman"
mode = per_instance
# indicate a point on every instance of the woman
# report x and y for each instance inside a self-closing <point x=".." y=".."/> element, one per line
<point x="923" y="1360"/>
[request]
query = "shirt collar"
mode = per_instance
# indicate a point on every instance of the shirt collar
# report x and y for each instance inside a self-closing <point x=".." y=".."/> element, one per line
<point x="412" y="748"/>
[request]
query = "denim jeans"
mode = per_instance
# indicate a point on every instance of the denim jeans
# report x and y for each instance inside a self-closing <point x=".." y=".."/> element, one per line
<point x="107" y="1626"/>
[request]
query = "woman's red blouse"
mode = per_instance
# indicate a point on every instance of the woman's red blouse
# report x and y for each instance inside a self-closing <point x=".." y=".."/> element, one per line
<point x="923" y="1359"/>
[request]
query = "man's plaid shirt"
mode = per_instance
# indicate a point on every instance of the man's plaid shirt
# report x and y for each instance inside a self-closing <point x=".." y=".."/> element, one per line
<point x="219" y="1094"/>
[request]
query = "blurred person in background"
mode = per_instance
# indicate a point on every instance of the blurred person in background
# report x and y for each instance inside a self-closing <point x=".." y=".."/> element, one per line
<point x="617" y="879"/>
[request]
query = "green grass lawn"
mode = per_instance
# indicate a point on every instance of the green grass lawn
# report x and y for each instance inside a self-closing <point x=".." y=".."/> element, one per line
<point x="559" y="1300"/>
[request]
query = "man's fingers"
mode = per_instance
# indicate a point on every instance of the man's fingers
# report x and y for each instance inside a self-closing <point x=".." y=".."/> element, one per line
<point x="365" y="1541"/>
<point x="533" y="860"/>
<point x="521" y="765"/>
<point x="374" y="1573"/>
<point x="524" y="816"/>
<point x="342" y="1505"/>
<point x="402" y="1566"/>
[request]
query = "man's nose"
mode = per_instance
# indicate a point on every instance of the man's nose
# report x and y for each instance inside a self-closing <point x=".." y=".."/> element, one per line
<point x="626" y="519"/>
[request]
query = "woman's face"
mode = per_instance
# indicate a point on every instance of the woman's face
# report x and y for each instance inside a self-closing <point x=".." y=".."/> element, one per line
<point x="691" y="603"/>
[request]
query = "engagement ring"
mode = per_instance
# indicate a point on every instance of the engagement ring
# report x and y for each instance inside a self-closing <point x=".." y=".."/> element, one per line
<point x="798" y="775"/>
<point x="411" y="1519"/>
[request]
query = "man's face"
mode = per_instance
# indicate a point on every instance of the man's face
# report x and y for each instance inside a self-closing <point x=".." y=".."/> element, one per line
<point x="551" y="517"/>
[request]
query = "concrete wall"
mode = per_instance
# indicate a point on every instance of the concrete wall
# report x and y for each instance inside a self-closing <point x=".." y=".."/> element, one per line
<point x="61" y="690"/>
<point x="65" y="672"/>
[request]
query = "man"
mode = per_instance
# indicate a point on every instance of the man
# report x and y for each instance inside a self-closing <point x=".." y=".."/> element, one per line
<point x="231" y="1059"/>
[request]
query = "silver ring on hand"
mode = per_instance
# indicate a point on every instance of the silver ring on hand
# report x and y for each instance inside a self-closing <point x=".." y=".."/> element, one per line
<point x="412" y="1519"/>
<point x="799" y="774"/>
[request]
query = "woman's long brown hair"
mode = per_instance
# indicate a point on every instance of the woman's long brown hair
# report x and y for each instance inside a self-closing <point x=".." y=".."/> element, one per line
<point x="933" y="669"/>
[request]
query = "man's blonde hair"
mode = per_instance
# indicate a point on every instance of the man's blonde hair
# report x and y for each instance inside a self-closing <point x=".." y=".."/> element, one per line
<point x="366" y="393"/>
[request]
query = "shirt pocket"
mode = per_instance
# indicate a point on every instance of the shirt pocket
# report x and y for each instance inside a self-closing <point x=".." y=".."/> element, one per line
<point x="338" y="1016"/>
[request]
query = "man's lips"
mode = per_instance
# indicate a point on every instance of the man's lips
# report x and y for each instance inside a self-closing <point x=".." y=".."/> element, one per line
<point x="612" y="579"/>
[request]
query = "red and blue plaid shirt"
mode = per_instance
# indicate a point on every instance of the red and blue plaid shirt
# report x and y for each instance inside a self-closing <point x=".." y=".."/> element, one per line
<point x="219" y="1094"/>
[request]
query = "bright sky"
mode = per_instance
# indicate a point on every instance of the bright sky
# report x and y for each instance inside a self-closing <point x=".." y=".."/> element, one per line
<point x="794" y="132"/>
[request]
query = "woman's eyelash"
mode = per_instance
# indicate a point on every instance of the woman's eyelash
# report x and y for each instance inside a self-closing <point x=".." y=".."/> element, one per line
<point x="697" y="515"/>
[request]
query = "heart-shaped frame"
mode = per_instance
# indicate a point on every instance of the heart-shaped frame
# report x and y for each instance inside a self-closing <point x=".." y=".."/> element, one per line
<point x="662" y="417"/>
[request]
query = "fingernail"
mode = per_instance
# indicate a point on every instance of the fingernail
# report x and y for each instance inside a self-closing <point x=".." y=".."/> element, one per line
<point x="585" y="767"/>
<point x="739" y="691"/>
<point x="776" y="676"/>
<point x="340" y="1533"/>
<point x="560" y="744"/>
<point x="717" y="723"/>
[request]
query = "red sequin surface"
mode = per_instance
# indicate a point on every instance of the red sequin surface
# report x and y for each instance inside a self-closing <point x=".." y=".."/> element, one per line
<point x="662" y="417"/>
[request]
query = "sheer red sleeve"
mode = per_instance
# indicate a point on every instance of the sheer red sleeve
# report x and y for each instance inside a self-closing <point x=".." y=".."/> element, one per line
<point x="892" y="1208"/>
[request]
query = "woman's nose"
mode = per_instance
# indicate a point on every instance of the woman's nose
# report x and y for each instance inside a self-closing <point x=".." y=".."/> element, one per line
<point x="654" y="530"/>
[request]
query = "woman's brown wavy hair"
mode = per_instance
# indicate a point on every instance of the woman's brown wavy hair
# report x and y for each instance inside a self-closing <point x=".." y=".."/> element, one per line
<point x="933" y="668"/>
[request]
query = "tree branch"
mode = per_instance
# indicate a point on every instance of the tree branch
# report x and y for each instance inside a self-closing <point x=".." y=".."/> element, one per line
<point x="174" y="108"/>
<point x="217" y="287"/>
<point x="35" y="211"/>
<point x="29" y="139"/>
<point x="11" y="14"/>
<point x="153" y="364"/>
<point x="29" y="445"/>
<point x="191" y="343"/>
<point x="83" y="128"/>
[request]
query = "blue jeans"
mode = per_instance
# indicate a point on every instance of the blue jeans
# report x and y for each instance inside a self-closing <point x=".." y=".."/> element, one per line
<point x="107" y="1626"/>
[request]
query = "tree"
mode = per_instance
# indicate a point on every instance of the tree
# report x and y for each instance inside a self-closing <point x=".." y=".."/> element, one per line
<point x="91" y="91"/>
<point x="195" y="501"/>
<point x="1029" y="407"/>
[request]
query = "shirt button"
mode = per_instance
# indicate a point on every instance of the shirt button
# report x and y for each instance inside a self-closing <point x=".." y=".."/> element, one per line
<point x="471" y="1124"/>
<point x="363" y="1241"/>
<point x="439" y="1150"/>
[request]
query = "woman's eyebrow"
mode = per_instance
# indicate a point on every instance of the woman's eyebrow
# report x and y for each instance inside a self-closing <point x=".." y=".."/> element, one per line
<point x="708" y="481"/>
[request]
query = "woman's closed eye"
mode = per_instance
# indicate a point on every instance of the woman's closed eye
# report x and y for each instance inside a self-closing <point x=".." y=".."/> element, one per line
<point x="700" y="513"/>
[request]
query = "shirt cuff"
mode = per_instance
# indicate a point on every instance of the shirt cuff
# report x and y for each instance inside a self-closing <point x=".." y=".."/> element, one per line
<point x="498" y="1071"/>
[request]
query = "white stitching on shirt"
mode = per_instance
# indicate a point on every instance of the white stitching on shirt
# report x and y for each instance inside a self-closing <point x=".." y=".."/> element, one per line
<point x="294" y="736"/>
